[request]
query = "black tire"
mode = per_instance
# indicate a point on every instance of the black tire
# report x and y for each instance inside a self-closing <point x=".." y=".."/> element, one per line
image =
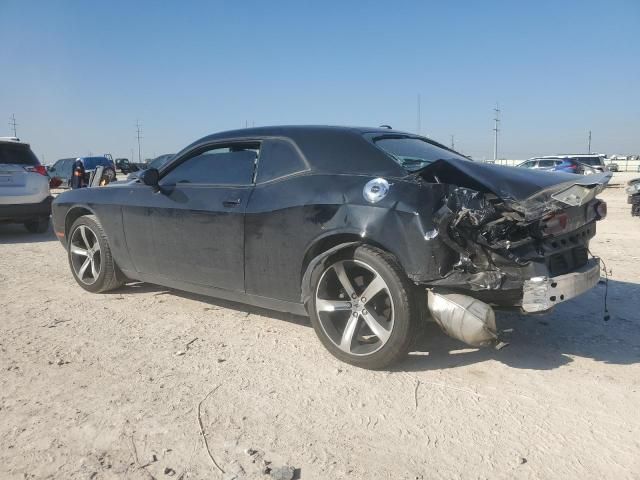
<point x="405" y="307"/>
<point x="109" y="174"/>
<point x="109" y="277"/>
<point x="40" y="225"/>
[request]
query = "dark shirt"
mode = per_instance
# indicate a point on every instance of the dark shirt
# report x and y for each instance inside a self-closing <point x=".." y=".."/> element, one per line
<point x="77" y="176"/>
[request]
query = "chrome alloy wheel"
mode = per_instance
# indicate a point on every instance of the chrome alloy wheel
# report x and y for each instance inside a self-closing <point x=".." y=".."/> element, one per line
<point x="85" y="254"/>
<point x="354" y="306"/>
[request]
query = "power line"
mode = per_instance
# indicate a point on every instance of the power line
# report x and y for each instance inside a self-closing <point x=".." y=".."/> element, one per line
<point x="419" y="119"/>
<point x="138" y="136"/>
<point x="13" y="124"/>
<point x="495" y="131"/>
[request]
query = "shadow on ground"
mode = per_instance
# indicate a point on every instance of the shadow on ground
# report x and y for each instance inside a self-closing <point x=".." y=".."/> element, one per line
<point x="15" y="233"/>
<point x="538" y="342"/>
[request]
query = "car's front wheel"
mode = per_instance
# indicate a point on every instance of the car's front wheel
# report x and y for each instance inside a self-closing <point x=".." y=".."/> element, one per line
<point x="363" y="308"/>
<point x="90" y="257"/>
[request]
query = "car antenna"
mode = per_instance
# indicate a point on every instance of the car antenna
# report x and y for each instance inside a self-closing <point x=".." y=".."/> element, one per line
<point x="386" y="126"/>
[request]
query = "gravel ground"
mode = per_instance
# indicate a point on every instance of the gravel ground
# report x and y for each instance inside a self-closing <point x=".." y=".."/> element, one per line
<point x="120" y="385"/>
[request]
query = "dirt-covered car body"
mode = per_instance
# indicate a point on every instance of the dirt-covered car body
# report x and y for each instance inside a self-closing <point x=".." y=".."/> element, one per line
<point x="453" y="224"/>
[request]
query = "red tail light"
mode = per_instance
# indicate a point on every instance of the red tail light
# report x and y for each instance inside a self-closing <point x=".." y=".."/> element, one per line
<point x="573" y="166"/>
<point x="555" y="223"/>
<point x="601" y="209"/>
<point x="41" y="169"/>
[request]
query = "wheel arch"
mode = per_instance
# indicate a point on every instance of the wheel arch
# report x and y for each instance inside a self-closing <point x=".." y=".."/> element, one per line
<point x="326" y="246"/>
<point x="73" y="214"/>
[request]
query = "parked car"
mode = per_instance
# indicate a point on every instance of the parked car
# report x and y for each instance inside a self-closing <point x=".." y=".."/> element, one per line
<point x="557" y="164"/>
<point x="24" y="187"/>
<point x="154" y="163"/>
<point x="63" y="169"/>
<point x="541" y="163"/>
<point x="128" y="167"/>
<point x="613" y="167"/>
<point x="595" y="161"/>
<point x="633" y="198"/>
<point x="361" y="229"/>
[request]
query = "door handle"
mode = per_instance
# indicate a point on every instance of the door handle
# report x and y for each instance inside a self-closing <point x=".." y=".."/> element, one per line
<point x="231" y="203"/>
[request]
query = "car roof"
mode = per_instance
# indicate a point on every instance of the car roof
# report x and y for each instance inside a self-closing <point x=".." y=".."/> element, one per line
<point x="12" y="140"/>
<point x="294" y="130"/>
<point x="327" y="148"/>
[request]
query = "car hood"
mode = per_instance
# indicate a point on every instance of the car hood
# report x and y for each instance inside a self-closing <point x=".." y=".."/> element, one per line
<point x="525" y="190"/>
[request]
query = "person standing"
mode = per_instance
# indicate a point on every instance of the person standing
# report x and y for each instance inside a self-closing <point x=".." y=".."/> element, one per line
<point x="77" y="176"/>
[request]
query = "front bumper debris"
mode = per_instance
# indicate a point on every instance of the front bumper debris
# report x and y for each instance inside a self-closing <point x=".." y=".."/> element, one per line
<point x="543" y="293"/>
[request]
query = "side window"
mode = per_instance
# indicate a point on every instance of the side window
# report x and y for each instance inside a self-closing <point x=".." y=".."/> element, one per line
<point x="546" y="163"/>
<point x="228" y="165"/>
<point x="66" y="167"/>
<point x="277" y="159"/>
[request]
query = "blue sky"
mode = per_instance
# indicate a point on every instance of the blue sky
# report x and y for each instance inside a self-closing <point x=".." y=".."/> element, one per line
<point x="78" y="75"/>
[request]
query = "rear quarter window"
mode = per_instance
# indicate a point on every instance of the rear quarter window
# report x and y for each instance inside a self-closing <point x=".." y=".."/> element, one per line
<point x="278" y="158"/>
<point x="17" y="154"/>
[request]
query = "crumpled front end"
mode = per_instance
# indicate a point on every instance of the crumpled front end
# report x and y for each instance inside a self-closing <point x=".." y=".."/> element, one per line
<point x="513" y="244"/>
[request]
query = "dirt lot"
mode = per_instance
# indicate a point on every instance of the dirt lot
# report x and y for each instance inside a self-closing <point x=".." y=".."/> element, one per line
<point x="109" y="386"/>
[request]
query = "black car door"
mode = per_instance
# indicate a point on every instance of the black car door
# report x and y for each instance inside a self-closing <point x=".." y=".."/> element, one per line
<point x="192" y="229"/>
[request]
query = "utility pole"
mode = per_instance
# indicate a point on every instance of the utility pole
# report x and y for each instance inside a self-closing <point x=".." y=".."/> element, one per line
<point x="453" y="145"/>
<point x="138" y="132"/>
<point x="13" y="124"/>
<point x="589" y="142"/>
<point x="495" y="131"/>
<point x="419" y="120"/>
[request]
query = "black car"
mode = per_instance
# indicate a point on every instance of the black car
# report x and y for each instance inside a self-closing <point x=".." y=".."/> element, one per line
<point x="365" y="230"/>
<point x="62" y="170"/>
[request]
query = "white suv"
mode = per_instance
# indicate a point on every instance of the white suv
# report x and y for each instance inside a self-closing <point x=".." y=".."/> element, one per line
<point x="24" y="187"/>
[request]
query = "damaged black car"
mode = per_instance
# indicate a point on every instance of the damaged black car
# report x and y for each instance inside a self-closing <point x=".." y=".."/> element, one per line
<point x="368" y="231"/>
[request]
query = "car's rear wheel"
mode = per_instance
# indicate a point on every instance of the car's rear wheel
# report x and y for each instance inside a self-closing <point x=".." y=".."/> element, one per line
<point x="39" y="225"/>
<point x="90" y="257"/>
<point x="109" y="174"/>
<point x="363" y="309"/>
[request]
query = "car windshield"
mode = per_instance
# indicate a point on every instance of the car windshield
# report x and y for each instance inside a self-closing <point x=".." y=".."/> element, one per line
<point x="158" y="162"/>
<point x="17" y="154"/>
<point x="413" y="153"/>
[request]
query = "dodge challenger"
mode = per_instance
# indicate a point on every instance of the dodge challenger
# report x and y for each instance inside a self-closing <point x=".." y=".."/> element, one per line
<point x="368" y="231"/>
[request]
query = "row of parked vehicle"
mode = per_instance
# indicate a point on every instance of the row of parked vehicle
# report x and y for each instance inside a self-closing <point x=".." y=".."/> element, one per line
<point x="25" y="184"/>
<point x="578" y="164"/>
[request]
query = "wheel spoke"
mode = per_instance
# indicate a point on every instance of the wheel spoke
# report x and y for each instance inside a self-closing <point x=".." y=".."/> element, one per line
<point x="343" y="278"/>
<point x="84" y="267"/>
<point x="349" y="331"/>
<point x="94" y="270"/>
<point x="83" y="233"/>
<point x="332" y="305"/>
<point x="376" y="285"/>
<point x="373" y="321"/>
<point x="75" y="250"/>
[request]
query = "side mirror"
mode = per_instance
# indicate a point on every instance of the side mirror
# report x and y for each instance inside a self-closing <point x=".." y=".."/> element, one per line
<point x="150" y="177"/>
